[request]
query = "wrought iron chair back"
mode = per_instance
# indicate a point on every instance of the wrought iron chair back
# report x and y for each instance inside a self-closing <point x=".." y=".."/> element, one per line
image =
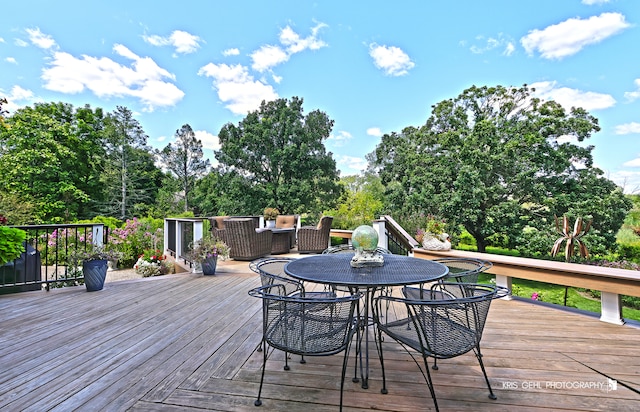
<point x="307" y="326"/>
<point x="441" y="328"/>
<point x="461" y="270"/>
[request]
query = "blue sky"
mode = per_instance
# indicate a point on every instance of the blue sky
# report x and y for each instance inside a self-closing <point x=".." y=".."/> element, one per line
<point x="374" y="67"/>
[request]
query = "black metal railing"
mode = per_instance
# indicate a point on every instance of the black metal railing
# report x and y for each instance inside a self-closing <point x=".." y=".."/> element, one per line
<point x="44" y="262"/>
<point x="399" y="241"/>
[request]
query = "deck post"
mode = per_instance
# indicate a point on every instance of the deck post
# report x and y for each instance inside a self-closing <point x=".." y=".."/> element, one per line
<point x="379" y="226"/>
<point x="505" y="281"/>
<point x="611" y="308"/>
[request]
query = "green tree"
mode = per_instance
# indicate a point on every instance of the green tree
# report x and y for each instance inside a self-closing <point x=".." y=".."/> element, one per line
<point x="497" y="160"/>
<point x="361" y="202"/>
<point x="130" y="178"/>
<point x="279" y="159"/>
<point x="184" y="159"/>
<point x="44" y="152"/>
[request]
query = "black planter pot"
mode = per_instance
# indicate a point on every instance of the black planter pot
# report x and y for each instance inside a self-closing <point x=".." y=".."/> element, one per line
<point x="95" y="272"/>
<point x="209" y="266"/>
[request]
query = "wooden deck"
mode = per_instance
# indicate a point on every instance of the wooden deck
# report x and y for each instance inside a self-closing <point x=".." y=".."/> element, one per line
<point x="186" y="342"/>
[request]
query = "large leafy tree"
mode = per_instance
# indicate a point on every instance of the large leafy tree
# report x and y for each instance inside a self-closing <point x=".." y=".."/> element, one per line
<point x="131" y="178"/>
<point x="360" y="203"/>
<point x="49" y="157"/>
<point x="184" y="159"/>
<point x="495" y="160"/>
<point x="278" y="157"/>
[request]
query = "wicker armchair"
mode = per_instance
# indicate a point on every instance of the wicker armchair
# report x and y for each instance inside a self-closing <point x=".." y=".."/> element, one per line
<point x="217" y="226"/>
<point x="245" y="243"/>
<point x="288" y="222"/>
<point x="315" y="239"/>
<point x="439" y="328"/>
<point x="306" y="326"/>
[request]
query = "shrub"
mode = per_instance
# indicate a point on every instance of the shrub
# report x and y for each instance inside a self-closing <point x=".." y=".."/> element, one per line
<point x="11" y="243"/>
<point x="136" y="236"/>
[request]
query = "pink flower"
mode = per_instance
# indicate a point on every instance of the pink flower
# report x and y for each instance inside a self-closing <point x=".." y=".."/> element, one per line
<point x="535" y="296"/>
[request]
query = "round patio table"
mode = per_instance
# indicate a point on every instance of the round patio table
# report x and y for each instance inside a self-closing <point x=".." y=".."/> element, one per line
<point x="335" y="270"/>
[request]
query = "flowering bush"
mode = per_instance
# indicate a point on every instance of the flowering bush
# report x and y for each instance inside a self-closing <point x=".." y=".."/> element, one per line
<point x="134" y="238"/>
<point x="58" y="244"/>
<point x="152" y="263"/>
<point x="147" y="269"/>
<point x="209" y="247"/>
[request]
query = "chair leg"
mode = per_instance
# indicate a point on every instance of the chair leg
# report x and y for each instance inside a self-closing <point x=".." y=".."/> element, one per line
<point x="286" y="361"/>
<point x="430" y="382"/>
<point x="484" y="372"/>
<point x="258" y="402"/>
<point x="344" y="373"/>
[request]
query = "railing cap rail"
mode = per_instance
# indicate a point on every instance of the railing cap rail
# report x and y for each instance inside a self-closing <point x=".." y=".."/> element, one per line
<point x="589" y="270"/>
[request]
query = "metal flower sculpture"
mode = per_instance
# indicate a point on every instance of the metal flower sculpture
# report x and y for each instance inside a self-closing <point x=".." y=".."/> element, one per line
<point x="572" y="237"/>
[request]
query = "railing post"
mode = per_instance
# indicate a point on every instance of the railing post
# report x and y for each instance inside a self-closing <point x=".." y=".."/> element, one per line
<point x="165" y="240"/>
<point x="97" y="234"/>
<point x="505" y="281"/>
<point x="611" y="308"/>
<point x="197" y="230"/>
<point x="379" y="226"/>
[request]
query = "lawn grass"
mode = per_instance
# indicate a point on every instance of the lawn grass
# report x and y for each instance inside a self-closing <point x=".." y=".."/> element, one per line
<point x="555" y="294"/>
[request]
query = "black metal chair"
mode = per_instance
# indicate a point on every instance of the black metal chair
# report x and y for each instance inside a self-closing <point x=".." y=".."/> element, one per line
<point x="306" y="326"/>
<point x="271" y="270"/>
<point x="461" y="270"/>
<point x="439" y="328"/>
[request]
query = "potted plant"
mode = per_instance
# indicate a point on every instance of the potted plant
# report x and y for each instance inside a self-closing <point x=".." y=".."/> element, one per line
<point x="432" y="236"/>
<point x="270" y="214"/>
<point x="206" y="252"/>
<point x="152" y="263"/>
<point x="93" y="261"/>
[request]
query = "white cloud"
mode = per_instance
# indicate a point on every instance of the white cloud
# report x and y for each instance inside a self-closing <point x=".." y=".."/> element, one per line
<point x="592" y="2"/>
<point x="501" y="42"/>
<point x="41" y="40"/>
<point x="392" y="60"/>
<point x="143" y="79"/>
<point x="628" y="128"/>
<point x="632" y="163"/>
<point x="11" y="60"/>
<point x="350" y="164"/>
<point x="627" y="179"/>
<point x="572" y="97"/>
<point x="631" y="96"/>
<point x="509" y="49"/>
<point x="237" y="88"/>
<point x="340" y="138"/>
<point x="572" y="35"/>
<point x="231" y="52"/>
<point x="184" y="43"/>
<point x="374" y="131"/>
<point x="268" y="56"/>
<point x="296" y="44"/>
<point x="1" y="40"/>
<point x="17" y="98"/>
<point x="209" y="141"/>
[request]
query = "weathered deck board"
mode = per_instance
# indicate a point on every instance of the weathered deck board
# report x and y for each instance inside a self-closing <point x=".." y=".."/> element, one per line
<point x="187" y="342"/>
